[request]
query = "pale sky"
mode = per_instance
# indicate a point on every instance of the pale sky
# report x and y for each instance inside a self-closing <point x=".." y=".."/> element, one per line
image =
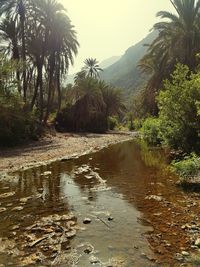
<point x="107" y="28"/>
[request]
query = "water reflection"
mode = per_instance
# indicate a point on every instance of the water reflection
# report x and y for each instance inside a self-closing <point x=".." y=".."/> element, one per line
<point x="132" y="173"/>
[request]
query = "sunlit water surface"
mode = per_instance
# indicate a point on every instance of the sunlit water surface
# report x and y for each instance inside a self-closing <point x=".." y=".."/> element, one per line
<point x="113" y="183"/>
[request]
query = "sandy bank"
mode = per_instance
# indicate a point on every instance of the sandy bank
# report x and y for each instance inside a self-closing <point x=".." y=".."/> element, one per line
<point x="55" y="147"/>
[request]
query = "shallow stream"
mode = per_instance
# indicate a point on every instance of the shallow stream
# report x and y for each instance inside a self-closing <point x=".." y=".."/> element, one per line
<point x="135" y="208"/>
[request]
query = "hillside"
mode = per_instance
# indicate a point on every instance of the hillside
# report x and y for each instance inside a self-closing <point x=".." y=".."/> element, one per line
<point x="124" y="73"/>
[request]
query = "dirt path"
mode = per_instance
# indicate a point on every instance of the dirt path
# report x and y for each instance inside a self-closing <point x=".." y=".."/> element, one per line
<point x="55" y="147"/>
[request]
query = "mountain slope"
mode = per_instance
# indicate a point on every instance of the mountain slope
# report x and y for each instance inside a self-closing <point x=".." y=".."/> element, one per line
<point x="108" y="62"/>
<point x="124" y="73"/>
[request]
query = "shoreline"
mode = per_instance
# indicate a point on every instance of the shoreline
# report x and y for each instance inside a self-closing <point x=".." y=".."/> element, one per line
<point x="55" y="147"/>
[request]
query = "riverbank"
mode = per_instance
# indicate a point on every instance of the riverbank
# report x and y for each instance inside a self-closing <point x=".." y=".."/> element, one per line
<point x="57" y="146"/>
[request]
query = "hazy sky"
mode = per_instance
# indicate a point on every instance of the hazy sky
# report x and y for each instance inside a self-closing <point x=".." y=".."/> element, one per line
<point x="107" y="28"/>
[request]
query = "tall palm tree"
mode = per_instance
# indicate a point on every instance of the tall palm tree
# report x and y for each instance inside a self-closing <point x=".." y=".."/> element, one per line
<point x="92" y="68"/>
<point x="178" y="40"/>
<point x="62" y="47"/>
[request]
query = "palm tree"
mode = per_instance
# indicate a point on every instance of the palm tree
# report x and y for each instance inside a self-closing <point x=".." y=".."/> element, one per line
<point x="40" y="34"/>
<point x="92" y="68"/>
<point x="113" y="99"/>
<point x="178" y="41"/>
<point x="88" y="106"/>
<point x="62" y="47"/>
<point x="79" y="76"/>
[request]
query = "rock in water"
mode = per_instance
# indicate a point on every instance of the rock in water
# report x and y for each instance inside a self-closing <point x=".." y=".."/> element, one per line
<point x="87" y="221"/>
<point x="197" y="242"/>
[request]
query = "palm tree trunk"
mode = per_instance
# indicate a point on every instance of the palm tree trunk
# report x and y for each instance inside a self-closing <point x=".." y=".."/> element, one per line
<point x="39" y="84"/>
<point x="17" y="58"/>
<point x="22" y="20"/>
<point x="51" y="76"/>
<point x="58" y="86"/>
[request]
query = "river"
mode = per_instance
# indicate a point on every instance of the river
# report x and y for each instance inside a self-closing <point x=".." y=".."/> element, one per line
<point x="126" y="190"/>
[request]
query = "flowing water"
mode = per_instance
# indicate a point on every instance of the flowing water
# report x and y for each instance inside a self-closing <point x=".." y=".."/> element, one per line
<point x="136" y="210"/>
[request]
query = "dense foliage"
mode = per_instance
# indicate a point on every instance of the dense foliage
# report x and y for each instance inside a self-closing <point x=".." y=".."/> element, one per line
<point x="178" y="41"/>
<point x="178" y="124"/>
<point x="39" y="35"/>
<point x="151" y="131"/>
<point x="187" y="168"/>
<point x="90" y="103"/>
<point x="178" y="104"/>
<point x="16" y="123"/>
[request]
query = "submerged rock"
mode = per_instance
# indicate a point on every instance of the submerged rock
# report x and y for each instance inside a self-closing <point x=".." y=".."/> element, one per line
<point x="46" y="173"/>
<point x="94" y="260"/>
<point x="185" y="253"/>
<point x="17" y="208"/>
<point x="157" y="198"/>
<point x="2" y="209"/>
<point x="87" y="221"/>
<point x="197" y="242"/>
<point x="5" y="195"/>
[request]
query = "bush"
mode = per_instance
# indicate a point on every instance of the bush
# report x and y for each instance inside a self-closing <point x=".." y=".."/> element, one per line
<point x="189" y="167"/>
<point x="112" y="123"/>
<point x="137" y="124"/>
<point x="150" y="131"/>
<point x="16" y="125"/>
<point x="70" y="119"/>
<point x="179" y="110"/>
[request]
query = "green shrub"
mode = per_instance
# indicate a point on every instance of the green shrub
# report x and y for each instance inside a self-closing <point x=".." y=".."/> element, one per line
<point x="150" y="131"/>
<point x="16" y="125"/>
<point x="189" y="167"/>
<point x="179" y="110"/>
<point x="137" y="124"/>
<point x="112" y="123"/>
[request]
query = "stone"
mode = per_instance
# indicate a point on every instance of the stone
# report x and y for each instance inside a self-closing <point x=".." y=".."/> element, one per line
<point x="185" y="253"/>
<point x="15" y="227"/>
<point x="88" y="250"/>
<point x="71" y="234"/>
<point x="10" y="194"/>
<point x="2" y="210"/>
<point x="157" y="198"/>
<point x="87" y="221"/>
<point x="94" y="260"/>
<point x="47" y="173"/>
<point x="24" y="200"/>
<point x="197" y="242"/>
<point x="17" y="208"/>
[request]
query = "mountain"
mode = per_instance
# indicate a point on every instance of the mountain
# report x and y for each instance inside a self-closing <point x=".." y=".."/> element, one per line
<point x="104" y="64"/>
<point x="124" y="73"/>
<point x="108" y="62"/>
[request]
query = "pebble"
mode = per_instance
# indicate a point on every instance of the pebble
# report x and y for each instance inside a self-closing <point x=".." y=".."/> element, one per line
<point x="94" y="260"/>
<point x="87" y="221"/>
<point x="2" y="209"/>
<point x="46" y="173"/>
<point x="17" y="208"/>
<point x="88" y="250"/>
<point x="185" y="253"/>
<point x="197" y="242"/>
